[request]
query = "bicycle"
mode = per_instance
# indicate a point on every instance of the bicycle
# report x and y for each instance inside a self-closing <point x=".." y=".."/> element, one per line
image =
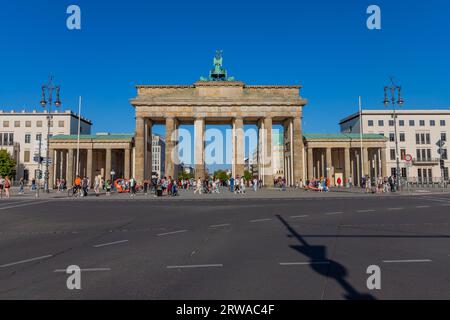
<point x="74" y="192"/>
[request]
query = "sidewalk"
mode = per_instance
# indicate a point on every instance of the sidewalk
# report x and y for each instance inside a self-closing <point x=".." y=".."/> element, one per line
<point x="264" y="193"/>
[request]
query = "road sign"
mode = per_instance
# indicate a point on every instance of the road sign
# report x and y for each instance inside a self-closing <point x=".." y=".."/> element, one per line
<point x="408" y="158"/>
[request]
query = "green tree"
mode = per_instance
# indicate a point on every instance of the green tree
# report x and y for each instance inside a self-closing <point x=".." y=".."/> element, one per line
<point x="7" y="164"/>
<point x="221" y="175"/>
<point x="247" y="175"/>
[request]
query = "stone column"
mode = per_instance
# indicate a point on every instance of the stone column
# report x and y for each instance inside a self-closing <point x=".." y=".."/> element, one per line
<point x="148" y="168"/>
<point x="51" y="169"/>
<point x="267" y="152"/>
<point x="310" y="163"/>
<point x="140" y="149"/>
<point x="346" y="164"/>
<point x="238" y="147"/>
<point x="375" y="164"/>
<point x="89" y="169"/>
<point x="69" y="170"/>
<point x="383" y="162"/>
<point x="199" y="151"/>
<point x="108" y="164"/>
<point x="297" y="149"/>
<point x="358" y="170"/>
<point x="126" y="169"/>
<point x="365" y="161"/>
<point x="170" y="146"/>
<point x="329" y="165"/>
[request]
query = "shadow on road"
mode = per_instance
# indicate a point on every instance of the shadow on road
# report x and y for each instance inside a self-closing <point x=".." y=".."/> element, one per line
<point x="324" y="266"/>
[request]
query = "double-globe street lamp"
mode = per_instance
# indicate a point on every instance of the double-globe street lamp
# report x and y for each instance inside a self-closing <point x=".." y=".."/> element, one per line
<point x="392" y="95"/>
<point x="47" y="101"/>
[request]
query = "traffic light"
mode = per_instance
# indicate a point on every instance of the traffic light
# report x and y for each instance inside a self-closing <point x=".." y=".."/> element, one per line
<point x="442" y="164"/>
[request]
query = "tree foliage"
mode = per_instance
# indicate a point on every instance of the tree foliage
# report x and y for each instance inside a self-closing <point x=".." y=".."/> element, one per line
<point x="7" y="164"/>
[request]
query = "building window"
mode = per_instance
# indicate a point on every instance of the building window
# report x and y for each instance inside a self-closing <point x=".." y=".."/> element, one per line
<point x="446" y="173"/>
<point x="391" y="137"/>
<point x="418" y="154"/>
<point x="403" y="172"/>
<point x="11" y="139"/>
<point x="5" y="139"/>
<point x="402" y="154"/>
<point x="370" y="123"/>
<point x="39" y="137"/>
<point x="432" y="123"/>
<point x="442" y="122"/>
<point x="417" y="138"/>
<point x="391" y="123"/>
<point x="27" y="138"/>
<point x="380" y="123"/>
<point x="6" y="124"/>
<point x="402" y="137"/>
<point x="428" y="138"/>
<point x="16" y="124"/>
<point x="443" y="136"/>
<point x="28" y="124"/>
<point x="422" y="123"/>
<point x="61" y="124"/>
<point x="411" y="123"/>
<point x="39" y="124"/>
<point x="26" y="156"/>
<point x="393" y="172"/>
<point x="401" y="123"/>
<point x="444" y="155"/>
<point x="428" y="154"/>
<point x="392" y="153"/>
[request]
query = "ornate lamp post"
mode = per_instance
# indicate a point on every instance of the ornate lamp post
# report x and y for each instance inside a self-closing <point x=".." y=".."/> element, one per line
<point x="47" y="102"/>
<point x="392" y="95"/>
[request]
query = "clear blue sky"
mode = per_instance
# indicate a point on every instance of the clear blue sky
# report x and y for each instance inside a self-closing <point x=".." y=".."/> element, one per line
<point x="322" y="45"/>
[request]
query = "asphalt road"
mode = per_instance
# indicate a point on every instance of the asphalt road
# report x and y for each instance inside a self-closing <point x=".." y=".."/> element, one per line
<point x="226" y="249"/>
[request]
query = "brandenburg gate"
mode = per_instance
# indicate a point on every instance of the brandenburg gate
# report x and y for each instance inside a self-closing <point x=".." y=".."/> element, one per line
<point x="219" y="99"/>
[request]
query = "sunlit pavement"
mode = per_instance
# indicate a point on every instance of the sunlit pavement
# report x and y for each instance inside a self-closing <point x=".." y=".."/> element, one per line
<point x="302" y="247"/>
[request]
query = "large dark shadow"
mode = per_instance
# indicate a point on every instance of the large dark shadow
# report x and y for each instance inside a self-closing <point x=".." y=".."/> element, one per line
<point x="324" y="266"/>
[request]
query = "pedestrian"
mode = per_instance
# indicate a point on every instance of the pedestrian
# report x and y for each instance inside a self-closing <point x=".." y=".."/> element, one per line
<point x="7" y="186"/>
<point x="198" y="186"/>
<point x="2" y="185"/>
<point x="255" y="184"/>
<point x="108" y="187"/>
<point x="21" y="186"/>
<point x="339" y="182"/>
<point x="132" y="187"/>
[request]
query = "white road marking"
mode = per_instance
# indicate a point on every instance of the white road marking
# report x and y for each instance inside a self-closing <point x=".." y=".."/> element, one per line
<point x="419" y="207"/>
<point x="303" y="263"/>
<point x="301" y="216"/>
<point x="85" y="270"/>
<point x="406" y="261"/>
<point x="366" y="210"/>
<point x="25" y="204"/>
<point x="331" y="213"/>
<point x="27" y="260"/>
<point x="173" y="232"/>
<point x="109" y="243"/>
<point x="196" y="266"/>
<point x="219" y="225"/>
<point x="436" y="199"/>
<point x="395" y="208"/>
<point x="259" y="220"/>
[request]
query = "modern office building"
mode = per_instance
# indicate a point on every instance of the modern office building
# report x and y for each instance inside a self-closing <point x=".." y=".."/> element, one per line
<point x="158" y="155"/>
<point x="418" y="132"/>
<point x="24" y="134"/>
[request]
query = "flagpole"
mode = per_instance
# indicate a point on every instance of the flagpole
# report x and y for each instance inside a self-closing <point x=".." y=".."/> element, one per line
<point x="78" y="137"/>
<point x="361" y="136"/>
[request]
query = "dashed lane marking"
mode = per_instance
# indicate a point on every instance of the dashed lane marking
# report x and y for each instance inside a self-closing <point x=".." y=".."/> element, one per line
<point x="196" y="266"/>
<point x="300" y="216"/>
<point x="25" y="261"/>
<point x="219" y="225"/>
<point x="303" y="263"/>
<point x="169" y="233"/>
<point x="109" y="243"/>
<point x="365" y="210"/>
<point x="407" y="261"/>
<point x="259" y="220"/>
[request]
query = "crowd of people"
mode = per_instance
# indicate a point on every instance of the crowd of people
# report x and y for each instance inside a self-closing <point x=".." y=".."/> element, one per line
<point x="167" y="186"/>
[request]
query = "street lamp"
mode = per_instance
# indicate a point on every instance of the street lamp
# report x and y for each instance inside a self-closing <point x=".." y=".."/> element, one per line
<point x="46" y="102"/>
<point x="394" y="90"/>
